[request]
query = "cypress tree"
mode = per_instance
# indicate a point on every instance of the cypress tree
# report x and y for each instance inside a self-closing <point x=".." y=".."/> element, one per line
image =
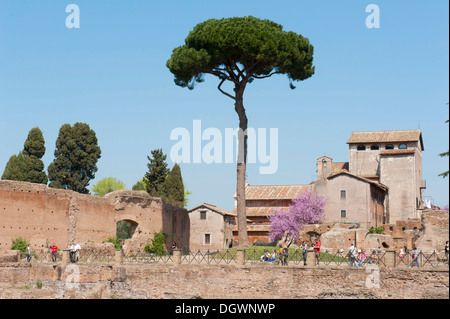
<point x="34" y="144"/>
<point x="174" y="186"/>
<point x="76" y="157"/>
<point x="27" y="166"/>
<point x="16" y="168"/>
<point x="34" y="150"/>
<point x="155" y="178"/>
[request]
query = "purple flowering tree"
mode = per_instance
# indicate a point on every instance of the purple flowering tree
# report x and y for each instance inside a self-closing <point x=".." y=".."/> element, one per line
<point x="306" y="208"/>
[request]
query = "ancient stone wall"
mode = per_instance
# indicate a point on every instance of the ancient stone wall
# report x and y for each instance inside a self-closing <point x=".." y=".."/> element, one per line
<point x="427" y="234"/>
<point x="436" y="229"/>
<point x="216" y="281"/>
<point x="44" y="216"/>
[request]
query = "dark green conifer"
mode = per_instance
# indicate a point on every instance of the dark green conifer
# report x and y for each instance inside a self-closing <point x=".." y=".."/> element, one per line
<point x="157" y="172"/>
<point x="76" y="156"/>
<point x="174" y="186"/>
<point x="27" y="166"/>
<point x="16" y="168"/>
<point x="34" y="150"/>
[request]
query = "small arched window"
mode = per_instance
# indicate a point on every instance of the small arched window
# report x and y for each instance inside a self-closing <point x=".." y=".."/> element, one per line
<point x="324" y="162"/>
<point x="402" y="147"/>
<point x="374" y="147"/>
<point x="389" y="147"/>
<point x="361" y="148"/>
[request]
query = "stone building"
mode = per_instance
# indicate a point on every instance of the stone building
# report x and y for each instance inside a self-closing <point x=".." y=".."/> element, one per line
<point x="381" y="184"/>
<point x="211" y="228"/>
<point x="261" y="202"/>
<point x="349" y="198"/>
<point x="392" y="158"/>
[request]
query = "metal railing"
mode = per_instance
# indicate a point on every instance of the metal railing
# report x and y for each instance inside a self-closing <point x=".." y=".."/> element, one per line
<point x="209" y="257"/>
<point x="295" y="257"/>
<point x="422" y="259"/>
<point x="146" y="258"/>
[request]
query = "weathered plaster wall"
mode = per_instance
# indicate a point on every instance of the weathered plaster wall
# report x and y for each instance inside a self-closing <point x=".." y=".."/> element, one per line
<point x="398" y="173"/>
<point x="213" y="225"/>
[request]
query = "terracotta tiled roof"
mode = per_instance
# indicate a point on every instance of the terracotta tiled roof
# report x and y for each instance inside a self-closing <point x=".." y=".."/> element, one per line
<point x="386" y="136"/>
<point x="214" y="208"/>
<point x="338" y="167"/>
<point x="253" y="192"/>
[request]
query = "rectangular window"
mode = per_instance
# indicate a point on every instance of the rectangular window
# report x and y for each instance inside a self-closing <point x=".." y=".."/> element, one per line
<point x="207" y="239"/>
<point x="343" y="194"/>
<point x="343" y="213"/>
<point x="203" y="214"/>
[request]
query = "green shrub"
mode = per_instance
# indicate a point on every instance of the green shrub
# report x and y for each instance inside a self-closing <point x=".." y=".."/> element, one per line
<point x="20" y="244"/>
<point x="158" y="242"/>
<point x="378" y="230"/>
<point x="115" y="241"/>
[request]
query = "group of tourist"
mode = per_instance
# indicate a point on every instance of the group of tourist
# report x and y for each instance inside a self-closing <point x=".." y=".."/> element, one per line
<point x="358" y="257"/>
<point x="73" y="248"/>
<point x="53" y="249"/>
<point x="282" y="256"/>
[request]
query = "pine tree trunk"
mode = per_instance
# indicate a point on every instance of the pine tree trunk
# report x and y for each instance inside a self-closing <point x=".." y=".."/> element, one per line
<point x="241" y="168"/>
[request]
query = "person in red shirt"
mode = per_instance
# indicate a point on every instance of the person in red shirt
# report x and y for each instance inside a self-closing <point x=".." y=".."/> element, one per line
<point x="54" y="249"/>
<point x="317" y="251"/>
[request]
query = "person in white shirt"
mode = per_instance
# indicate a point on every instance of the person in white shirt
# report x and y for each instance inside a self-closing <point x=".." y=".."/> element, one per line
<point x="75" y="250"/>
<point x="352" y="255"/>
<point x="304" y="248"/>
<point x="70" y="248"/>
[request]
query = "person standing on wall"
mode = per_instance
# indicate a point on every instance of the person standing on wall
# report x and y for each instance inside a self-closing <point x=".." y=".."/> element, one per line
<point x="446" y="251"/>
<point x="71" y="250"/>
<point x="317" y="251"/>
<point x="304" y="248"/>
<point x="415" y="258"/>
<point x="352" y="255"/>
<point x="54" y="250"/>
<point x="76" y="250"/>
<point x="28" y="253"/>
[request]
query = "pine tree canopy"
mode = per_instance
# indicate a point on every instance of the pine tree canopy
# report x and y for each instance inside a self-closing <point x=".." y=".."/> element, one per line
<point x="241" y="49"/>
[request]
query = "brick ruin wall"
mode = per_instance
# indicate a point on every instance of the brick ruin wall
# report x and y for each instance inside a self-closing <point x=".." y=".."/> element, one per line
<point x="158" y="281"/>
<point x="429" y="233"/>
<point x="44" y="216"/>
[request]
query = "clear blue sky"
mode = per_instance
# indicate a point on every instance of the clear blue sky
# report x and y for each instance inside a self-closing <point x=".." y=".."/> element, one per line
<point x="111" y="74"/>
